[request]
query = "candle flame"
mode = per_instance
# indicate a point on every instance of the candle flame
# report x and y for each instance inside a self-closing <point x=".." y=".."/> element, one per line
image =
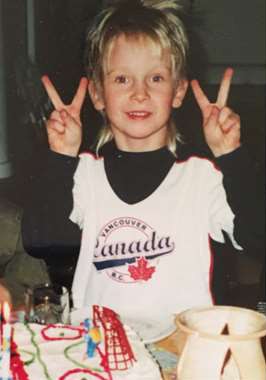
<point x="6" y="311"/>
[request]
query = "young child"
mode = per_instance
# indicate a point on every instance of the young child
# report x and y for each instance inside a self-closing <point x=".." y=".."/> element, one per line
<point x="146" y="207"/>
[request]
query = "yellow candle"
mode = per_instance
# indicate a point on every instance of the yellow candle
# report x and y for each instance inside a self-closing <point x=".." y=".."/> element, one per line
<point x="6" y="343"/>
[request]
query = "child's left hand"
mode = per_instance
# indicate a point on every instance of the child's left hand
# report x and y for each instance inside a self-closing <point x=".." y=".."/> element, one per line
<point x="221" y="126"/>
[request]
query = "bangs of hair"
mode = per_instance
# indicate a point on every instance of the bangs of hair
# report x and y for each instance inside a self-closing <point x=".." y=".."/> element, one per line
<point x="134" y="19"/>
<point x="138" y="38"/>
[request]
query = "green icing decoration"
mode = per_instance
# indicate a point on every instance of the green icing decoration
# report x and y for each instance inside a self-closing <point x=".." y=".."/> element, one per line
<point x="38" y="353"/>
<point x="79" y="365"/>
<point x="32" y="355"/>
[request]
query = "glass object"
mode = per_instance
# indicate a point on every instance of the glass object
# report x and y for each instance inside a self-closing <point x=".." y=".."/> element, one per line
<point x="50" y="304"/>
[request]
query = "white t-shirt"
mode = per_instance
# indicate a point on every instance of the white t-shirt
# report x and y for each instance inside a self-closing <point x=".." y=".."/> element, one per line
<point x="153" y="258"/>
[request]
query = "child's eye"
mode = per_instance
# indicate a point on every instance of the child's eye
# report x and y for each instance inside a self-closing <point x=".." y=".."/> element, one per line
<point x="121" y="79"/>
<point x="157" y="78"/>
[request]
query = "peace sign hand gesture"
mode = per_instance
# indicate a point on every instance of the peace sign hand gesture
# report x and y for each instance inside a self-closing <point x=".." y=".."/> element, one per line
<point x="221" y="126"/>
<point x="64" y="125"/>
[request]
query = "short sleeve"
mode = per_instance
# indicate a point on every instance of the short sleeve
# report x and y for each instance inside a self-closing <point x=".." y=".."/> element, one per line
<point x="221" y="217"/>
<point x="80" y="192"/>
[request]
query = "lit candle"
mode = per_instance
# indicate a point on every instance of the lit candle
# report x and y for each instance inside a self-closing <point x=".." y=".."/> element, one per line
<point x="1" y="320"/>
<point x="6" y="338"/>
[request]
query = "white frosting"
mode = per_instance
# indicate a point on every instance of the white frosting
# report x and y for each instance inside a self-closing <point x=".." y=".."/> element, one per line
<point x="148" y="330"/>
<point x="60" y="356"/>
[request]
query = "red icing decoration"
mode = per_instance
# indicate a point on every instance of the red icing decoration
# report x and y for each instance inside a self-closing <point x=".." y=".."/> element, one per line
<point x="73" y="371"/>
<point x="62" y="327"/>
<point x="118" y="354"/>
<point x="141" y="271"/>
<point x="17" y="365"/>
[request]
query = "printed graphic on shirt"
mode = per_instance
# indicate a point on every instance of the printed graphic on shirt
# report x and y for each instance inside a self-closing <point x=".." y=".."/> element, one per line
<point x="128" y="250"/>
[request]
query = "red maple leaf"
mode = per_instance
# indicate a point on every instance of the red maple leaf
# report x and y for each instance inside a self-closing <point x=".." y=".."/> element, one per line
<point x="141" y="271"/>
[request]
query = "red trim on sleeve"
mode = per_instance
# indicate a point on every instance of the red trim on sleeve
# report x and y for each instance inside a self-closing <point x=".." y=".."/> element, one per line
<point x="211" y="270"/>
<point x="216" y="167"/>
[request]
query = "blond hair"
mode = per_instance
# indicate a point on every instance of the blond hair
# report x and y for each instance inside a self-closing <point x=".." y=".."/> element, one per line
<point x="157" y="20"/>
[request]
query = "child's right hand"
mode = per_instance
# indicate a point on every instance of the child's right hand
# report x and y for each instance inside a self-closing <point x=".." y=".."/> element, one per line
<point x="64" y="125"/>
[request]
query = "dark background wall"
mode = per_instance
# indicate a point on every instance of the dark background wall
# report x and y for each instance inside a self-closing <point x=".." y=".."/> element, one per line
<point x="54" y="48"/>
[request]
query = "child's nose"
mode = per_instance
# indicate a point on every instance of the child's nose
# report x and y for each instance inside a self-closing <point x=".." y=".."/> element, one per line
<point x="140" y="91"/>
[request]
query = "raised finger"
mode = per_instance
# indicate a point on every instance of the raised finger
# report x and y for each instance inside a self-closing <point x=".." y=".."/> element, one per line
<point x="80" y="94"/>
<point x="52" y="93"/>
<point x="212" y="120"/>
<point x="224" y="88"/>
<point x="201" y="98"/>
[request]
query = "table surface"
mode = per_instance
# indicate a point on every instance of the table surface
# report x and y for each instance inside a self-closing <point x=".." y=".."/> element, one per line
<point x="171" y="345"/>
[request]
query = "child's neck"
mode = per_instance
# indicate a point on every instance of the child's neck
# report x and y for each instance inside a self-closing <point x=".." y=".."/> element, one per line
<point x="138" y="147"/>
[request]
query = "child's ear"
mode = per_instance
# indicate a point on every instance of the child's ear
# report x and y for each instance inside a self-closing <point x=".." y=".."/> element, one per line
<point x="180" y="93"/>
<point x="96" y="96"/>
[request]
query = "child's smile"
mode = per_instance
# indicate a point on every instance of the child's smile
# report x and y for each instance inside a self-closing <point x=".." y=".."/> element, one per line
<point x="139" y="92"/>
<point x="138" y="115"/>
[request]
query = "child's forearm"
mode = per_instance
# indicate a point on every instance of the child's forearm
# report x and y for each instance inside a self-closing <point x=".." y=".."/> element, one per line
<point x="245" y="195"/>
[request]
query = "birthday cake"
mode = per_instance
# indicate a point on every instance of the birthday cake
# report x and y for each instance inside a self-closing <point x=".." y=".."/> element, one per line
<point x="60" y="352"/>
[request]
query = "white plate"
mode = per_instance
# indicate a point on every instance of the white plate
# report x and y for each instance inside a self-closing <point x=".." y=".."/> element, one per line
<point x="152" y="331"/>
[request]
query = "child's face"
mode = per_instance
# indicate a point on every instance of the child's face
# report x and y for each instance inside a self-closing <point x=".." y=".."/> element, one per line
<point x="138" y="93"/>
